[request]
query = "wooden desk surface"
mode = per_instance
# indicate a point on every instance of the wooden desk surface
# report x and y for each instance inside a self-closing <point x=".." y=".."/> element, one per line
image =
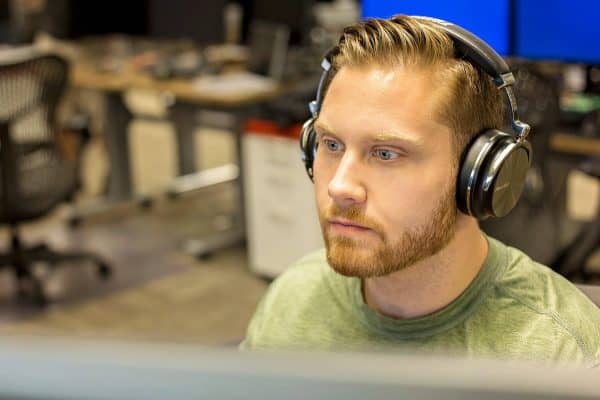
<point x="87" y="77"/>
<point x="575" y="145"/>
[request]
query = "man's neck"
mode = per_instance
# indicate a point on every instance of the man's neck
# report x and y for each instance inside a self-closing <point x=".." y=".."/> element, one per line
<point x="432" y="283"/>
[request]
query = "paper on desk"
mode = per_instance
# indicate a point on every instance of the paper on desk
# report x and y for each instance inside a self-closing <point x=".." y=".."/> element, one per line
<point x="234" y="84"/>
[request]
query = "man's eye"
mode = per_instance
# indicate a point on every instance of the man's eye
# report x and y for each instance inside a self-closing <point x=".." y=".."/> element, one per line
<point x="385" y="154"/>
<point x="331" y="145"/>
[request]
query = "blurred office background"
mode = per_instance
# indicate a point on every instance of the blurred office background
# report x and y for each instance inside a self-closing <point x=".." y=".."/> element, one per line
<point x="179" y="121"/>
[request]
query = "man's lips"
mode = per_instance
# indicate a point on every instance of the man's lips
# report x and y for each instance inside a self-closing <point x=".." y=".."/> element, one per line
<point x="347" y="224"/>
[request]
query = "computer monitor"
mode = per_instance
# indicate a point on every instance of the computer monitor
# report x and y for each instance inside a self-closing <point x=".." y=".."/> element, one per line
<point x="563" y="30"/>
<point x="295" y="14"/>
<point x="268" y="47"/>
<point x="201" y="21"/>
<point x="94" y="17"/>
<point x="489" y="20"/>
<point x="73" y="369"/>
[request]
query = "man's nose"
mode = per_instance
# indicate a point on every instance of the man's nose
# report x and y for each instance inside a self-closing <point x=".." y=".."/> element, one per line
<point x="346" y="188"/>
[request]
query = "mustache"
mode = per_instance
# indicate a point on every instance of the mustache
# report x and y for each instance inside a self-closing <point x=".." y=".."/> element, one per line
<point x="354" y="215"/>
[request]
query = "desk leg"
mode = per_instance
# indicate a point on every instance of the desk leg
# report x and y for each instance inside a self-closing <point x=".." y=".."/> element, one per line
<point x="118" y="118"/>
<point x="183" y="116"/>
<point x="119" y="191"/>
<point x="238" y="131"/>
<point x="236" y="234"/>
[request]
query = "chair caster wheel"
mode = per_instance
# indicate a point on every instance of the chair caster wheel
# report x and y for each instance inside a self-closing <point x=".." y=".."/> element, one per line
<point x="104" y="271"/>
<point x="204" y="256"/>
<point x="74" y="221"/>
<point x="146" y="203"/>
<point x="172" y="195"/>
<point x="33" y="290"/>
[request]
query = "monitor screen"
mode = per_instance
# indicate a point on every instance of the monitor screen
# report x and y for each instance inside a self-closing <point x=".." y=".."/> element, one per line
<point x="69" y="368"/>
<point x="487" y="19"/>
<point x="564" y="30"/>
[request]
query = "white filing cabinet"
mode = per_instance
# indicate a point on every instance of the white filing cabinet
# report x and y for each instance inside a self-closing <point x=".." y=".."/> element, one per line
<point x="281" y="217"/>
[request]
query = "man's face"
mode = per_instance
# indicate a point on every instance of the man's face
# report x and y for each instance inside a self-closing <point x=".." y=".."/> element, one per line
<point x="385" y="171"/>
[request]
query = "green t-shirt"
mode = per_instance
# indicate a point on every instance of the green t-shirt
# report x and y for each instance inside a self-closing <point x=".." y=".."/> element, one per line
<point x="514" y="309"/>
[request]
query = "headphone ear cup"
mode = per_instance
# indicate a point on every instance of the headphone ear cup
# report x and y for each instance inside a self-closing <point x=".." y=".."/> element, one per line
<point x="476" y="156"/>
<point x="492" y="174"/>
<point x="308" y="144"/>
<point x="503" y="179"/>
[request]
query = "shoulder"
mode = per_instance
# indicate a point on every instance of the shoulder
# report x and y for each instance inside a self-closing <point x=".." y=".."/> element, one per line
<point x="308" y="272"/>
<point x="307" y="284"/>
<point x="299" y="298"/>
<point x="544" y="295"/>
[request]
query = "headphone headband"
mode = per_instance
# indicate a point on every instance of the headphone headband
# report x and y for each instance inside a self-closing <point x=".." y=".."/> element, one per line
<point x="469" y="47"/>
<point x="315" y="105"/>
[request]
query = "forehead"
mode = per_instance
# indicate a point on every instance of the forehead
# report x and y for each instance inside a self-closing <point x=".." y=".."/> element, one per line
<point x="375" y="100"/>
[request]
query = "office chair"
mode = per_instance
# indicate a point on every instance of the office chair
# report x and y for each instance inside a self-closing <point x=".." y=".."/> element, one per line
<point x="571" y="261"/>
<point x="36" y="173"/>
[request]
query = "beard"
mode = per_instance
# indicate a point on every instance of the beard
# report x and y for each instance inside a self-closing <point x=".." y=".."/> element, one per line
<point x="351" y="257"/>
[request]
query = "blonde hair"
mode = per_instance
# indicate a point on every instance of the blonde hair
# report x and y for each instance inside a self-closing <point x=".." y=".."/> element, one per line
<point x="469" y="101"/>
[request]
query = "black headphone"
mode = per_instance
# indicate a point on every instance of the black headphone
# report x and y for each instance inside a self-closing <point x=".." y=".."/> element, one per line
<point x="494" y="165"/>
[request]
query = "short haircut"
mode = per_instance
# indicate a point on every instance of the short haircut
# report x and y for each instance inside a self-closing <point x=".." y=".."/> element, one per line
<point x="469" y="102"/>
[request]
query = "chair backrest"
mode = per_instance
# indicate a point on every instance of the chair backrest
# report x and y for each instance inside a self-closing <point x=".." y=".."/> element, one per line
<point x="31" y="85"/>
<point x="591" y="291"/>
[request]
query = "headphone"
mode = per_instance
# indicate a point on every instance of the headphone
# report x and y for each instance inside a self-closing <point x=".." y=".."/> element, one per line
<point x="494" y="165"/>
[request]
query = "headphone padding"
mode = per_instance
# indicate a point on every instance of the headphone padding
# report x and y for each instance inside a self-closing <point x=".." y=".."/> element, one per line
<point x="308" y="146"/>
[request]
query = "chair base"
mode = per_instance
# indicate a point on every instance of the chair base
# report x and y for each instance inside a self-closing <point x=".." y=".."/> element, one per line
<point x="21" y="260"/>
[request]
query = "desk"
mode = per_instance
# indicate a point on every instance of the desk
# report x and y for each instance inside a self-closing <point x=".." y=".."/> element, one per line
<point x="188" y="100"/>
<point x="569" y="144"/>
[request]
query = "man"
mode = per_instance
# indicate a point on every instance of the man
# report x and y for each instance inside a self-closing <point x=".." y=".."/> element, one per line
<point x="403" y="267"/>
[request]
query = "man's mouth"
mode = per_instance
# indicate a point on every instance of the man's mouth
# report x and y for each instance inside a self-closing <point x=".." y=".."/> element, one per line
<point x="339" y="223"/>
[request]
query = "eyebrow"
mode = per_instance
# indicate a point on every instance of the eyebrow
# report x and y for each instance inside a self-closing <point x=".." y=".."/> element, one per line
<point x="321" y="126"/>
<point x="395" y="137"/>
<point x="380" y="137"/>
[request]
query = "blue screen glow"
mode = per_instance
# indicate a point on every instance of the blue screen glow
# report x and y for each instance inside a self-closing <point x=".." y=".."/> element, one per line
<point x="558" y="30"/>
<point x="487" y="19"/>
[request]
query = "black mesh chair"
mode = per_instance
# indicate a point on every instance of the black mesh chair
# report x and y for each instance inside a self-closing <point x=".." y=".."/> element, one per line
<point x="572" y="260"/>
<point x="35" y="173"/>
